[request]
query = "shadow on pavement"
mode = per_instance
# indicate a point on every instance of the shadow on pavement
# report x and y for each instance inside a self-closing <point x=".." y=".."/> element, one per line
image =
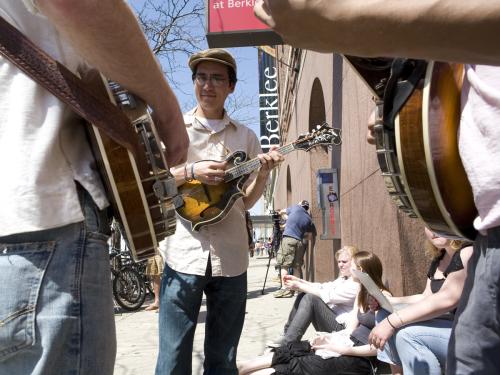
<point x="258" y="293"/>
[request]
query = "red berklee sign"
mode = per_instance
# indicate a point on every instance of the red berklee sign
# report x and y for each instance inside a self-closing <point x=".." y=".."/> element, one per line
<point x="231" y="23"/>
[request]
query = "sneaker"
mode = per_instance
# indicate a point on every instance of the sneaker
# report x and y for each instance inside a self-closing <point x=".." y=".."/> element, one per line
<point x="278" y="293"/>
<point x="286" y="294"/>
<point x="277" y="342"/>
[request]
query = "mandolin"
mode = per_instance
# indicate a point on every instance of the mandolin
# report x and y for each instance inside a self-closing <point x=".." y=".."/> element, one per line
<point x="208" y="204"/>
<point x="417" y="141"/>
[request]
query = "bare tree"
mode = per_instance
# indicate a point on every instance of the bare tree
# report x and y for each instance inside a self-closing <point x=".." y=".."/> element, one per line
<point x="241" y="106"/>
<point x="174" y="30"/>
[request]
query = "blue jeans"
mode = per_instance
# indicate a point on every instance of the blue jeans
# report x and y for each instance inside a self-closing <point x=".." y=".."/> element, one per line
<point x="420" y="348"/>
<point x="180" y="301"/>
<point x="56" y="308"/>
<point x="475" y="340"/>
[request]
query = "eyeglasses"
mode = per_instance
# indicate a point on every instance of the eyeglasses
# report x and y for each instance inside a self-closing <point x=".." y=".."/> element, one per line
<point x="216" y="80"/>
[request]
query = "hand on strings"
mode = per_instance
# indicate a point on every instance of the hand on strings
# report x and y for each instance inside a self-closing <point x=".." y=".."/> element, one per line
<point x="269" y="160"/>
<point x="209" y="172"/>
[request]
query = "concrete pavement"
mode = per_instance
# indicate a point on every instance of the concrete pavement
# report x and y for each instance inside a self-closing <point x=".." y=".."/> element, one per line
<point x="137" y="332"/>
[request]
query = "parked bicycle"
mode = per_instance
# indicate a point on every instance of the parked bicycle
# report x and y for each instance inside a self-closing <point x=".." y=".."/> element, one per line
<point x="130" y="283"/>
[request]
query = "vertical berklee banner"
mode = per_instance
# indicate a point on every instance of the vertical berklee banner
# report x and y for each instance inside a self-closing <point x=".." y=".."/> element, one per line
<point x="268" y="101"/>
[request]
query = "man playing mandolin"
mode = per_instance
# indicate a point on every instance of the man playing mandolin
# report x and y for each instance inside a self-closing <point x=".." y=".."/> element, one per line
<point x="213" y="259"/>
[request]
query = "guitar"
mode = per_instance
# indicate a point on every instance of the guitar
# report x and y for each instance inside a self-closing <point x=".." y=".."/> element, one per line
<point x="140" y="186"/>
<point x="417" y="150"/>
<point x="209" y="204"/>
<point x="141" y="189"/>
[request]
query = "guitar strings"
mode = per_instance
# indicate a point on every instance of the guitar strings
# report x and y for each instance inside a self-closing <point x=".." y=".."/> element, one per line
<point x="244" y="168"/>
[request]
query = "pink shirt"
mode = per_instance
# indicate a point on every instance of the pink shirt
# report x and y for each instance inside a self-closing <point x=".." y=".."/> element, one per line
<point x="479" y="141"/>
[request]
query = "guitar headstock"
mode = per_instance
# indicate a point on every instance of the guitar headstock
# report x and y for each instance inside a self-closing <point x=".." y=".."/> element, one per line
<point x="324" y="135"/>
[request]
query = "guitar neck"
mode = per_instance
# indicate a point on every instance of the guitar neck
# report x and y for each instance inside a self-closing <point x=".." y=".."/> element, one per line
<point x="252" y="165"/>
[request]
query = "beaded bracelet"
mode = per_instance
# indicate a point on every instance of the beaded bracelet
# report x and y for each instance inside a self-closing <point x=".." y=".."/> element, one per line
<point x="188" y="179"/>
<point x="388" y="321"/>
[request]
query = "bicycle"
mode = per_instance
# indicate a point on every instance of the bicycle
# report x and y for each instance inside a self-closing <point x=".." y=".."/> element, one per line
<point x="130" y="284"/>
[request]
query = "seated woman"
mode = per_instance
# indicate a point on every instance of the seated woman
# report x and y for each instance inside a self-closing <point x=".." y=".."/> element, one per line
<point x="325" y="305"/>
<point x="416" y="337"/>
<point x="344" y="352"/>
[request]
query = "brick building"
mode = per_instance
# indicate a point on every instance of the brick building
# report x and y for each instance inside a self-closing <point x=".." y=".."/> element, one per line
<point x="314" y="88"/>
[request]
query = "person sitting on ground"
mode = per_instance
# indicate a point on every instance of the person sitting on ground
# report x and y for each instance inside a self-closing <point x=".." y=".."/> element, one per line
<point x="417" y="336"/>
<point x="291" y="252"/>
<point x="341" y="352"/>
<point x="154" y="269"/>
<point x="326" y="305"/>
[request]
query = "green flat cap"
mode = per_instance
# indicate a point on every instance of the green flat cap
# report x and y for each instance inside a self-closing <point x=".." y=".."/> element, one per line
<point x="212" y="54"/>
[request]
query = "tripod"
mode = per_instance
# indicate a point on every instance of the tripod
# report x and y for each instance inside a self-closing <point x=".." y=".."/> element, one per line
<point x="275" y="245"/>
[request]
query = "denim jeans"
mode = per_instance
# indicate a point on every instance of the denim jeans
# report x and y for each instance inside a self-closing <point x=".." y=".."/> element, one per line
<point x="475" y="340"/>
<point x="420" y="348"/>
<point x="56" y="309"/>
<point x="180" y="301"/>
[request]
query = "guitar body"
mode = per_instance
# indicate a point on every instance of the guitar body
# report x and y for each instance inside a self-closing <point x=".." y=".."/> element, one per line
<point x="131" y="181"/>
<point x="208" y="204"/>
<point x="420" y="161"/>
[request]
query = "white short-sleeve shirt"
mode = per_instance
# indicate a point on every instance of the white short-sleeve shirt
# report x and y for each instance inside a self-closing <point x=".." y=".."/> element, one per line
<point x="43" y="145"/>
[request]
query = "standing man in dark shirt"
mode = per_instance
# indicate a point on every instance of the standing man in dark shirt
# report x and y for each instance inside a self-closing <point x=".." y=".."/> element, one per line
<point x="298" y="226"/>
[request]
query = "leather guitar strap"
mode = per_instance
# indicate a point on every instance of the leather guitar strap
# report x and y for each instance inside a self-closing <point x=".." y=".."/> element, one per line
<point x="65" y="85"/>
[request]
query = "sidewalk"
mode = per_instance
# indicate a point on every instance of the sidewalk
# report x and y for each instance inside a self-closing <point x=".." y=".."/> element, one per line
<point x="137" y="332"/>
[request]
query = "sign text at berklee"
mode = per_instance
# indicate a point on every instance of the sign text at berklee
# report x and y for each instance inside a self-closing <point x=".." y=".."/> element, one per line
<point x="268" y="102"/>
<point x="232" y="15"/>
<point x="231" y="23"/>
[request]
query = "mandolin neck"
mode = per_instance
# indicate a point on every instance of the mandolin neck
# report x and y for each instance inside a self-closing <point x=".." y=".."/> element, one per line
<point x="252" y="165"/>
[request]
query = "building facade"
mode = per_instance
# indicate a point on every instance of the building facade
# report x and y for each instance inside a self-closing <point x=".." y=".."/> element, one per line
<point x="316" y="88"/>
